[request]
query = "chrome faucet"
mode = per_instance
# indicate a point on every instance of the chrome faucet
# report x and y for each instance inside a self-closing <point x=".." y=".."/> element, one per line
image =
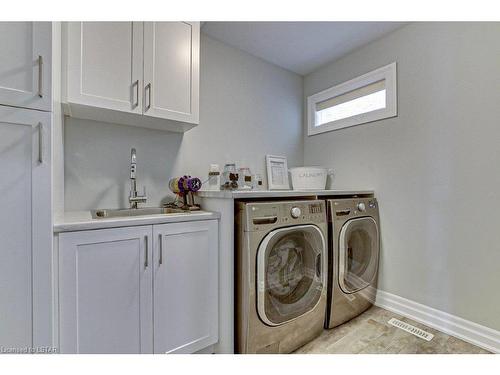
<point x="134" y="197"/>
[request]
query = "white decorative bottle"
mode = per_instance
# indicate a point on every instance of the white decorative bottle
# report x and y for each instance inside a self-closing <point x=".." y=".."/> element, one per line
<point x="214" y="177"/>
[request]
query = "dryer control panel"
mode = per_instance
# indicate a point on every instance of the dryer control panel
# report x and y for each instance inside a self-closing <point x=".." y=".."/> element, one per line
<point x="352" y="207"/>
<point x="263" y="215"/>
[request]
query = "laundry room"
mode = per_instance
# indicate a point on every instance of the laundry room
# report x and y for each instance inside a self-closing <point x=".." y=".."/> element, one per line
<point x="208" y="182"/>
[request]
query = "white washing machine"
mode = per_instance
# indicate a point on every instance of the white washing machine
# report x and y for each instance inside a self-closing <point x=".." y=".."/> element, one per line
<point x="281" y="268"/>
<point x="353" y="258"/>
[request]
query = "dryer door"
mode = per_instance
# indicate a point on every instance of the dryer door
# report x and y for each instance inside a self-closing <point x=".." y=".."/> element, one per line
<point x="358" y="254"/>
<point x="291" y="273"/>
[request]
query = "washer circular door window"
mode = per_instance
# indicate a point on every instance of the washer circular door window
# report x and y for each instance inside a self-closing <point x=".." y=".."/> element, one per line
<point x="290" y="273"/>
<point x="358" y="254"/>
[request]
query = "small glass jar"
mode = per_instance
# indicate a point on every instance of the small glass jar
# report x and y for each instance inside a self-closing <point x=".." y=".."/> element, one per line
<point x="244" y="178"/>
<point x="257" y="183"/>
<point x="229" y="177"/>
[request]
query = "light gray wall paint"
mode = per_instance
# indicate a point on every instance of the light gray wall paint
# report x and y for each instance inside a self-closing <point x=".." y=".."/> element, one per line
<point x="434" y="168"/>
<point x="248" y="108"/>
<point x="97" y="163"/>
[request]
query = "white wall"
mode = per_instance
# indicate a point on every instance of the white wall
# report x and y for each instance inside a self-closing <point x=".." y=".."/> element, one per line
<point x="434" y="168"/>
<point x="248" y="108"/>
<point x="97" y="163"/>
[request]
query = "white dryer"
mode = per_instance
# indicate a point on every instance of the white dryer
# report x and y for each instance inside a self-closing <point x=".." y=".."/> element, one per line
<point x="281" y="266"/>
<point x="353" y="258"/>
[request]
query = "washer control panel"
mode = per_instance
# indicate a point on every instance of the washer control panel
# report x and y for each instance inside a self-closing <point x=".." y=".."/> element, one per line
<point x="354" y="207"/>
<point x="261" y="215"/>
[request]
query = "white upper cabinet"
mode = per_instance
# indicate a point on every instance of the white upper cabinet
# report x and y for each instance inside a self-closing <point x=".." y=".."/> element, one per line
<point x="171" y="70"/>
<point x="105" y="65"/>
<point x="133" y="73"/>
<point x="25" y="222"/>
<point x="25" y="65"/>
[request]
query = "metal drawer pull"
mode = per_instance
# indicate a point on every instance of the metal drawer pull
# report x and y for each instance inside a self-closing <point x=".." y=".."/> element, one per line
<point x="136" y="84"/>
<point x="40" y="143"/>
<point x="161" y="251"/>
<point x="40" y="76"/>
<point x="148" y="89"/>
<point x="146" y="260"/>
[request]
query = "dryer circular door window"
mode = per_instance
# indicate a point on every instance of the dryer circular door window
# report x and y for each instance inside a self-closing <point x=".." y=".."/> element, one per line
<point x="358" y="254"/>
<point x="290" y="273"/>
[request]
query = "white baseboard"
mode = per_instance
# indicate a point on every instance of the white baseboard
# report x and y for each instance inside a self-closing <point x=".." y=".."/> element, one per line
<point x="484" y="337"/>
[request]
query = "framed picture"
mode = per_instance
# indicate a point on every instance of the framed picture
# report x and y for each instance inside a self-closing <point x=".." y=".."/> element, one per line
<point x="277" y="172"/>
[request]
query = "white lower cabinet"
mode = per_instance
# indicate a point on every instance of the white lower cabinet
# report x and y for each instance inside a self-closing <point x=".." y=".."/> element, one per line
<point x="105" y="291"/>
<point x="185" y="286"/>
<point x="139" y="289"/>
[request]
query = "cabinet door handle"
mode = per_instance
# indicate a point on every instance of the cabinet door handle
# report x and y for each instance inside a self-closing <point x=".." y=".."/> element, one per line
<point x="161" y="250"/>
<point x="40" y="143"/>
<point x="40" y="76"/>
<point x="148" y="89"/>
<point x="146" y="256"/>
<point x="136" y="103"/>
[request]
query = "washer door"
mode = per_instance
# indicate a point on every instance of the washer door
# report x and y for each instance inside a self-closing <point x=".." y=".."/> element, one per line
<point x="358" y="254"/>
<point x="291" y="273"/>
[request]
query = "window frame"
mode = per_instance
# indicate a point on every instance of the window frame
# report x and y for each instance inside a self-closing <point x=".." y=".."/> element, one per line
<point x="387" y="73"/>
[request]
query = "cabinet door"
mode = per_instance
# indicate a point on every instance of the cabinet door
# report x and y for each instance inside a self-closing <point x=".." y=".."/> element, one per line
<point x="25" y="219"/>
<point x="104" y="64"/>
<point x="105" y="291"/>
<point x="171" y="70"/>
<point x="25" y="64"/>
<point x="185" y="286"/>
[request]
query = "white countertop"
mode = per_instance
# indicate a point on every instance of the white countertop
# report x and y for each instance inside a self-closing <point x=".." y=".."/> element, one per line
<point x="247" y="194"/>
<point x="82" y="220"/>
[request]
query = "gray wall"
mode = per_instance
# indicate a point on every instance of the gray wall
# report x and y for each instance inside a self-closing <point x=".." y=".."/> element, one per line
<point x="248" y="108"/>
<point x="435" y="167"/>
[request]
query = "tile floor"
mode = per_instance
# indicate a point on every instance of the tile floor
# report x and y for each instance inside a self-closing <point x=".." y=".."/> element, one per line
<point x="370" y="333"/>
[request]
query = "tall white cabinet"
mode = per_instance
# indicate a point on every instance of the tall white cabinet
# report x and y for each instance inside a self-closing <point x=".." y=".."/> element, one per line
<point x="25" y="65"/>
<point x="133" y="73"/>
<point x="25" y="184"/>
<point x="25" y="224"/>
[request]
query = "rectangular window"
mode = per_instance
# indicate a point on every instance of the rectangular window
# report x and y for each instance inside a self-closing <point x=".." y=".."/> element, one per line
<point x="367" y="98"/>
